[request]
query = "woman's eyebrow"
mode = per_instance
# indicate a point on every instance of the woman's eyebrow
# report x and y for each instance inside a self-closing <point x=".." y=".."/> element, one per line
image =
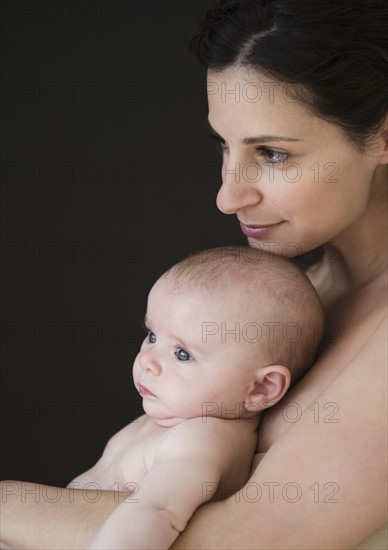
<point x="253" y="140"/>
<point x="262" y="139"/>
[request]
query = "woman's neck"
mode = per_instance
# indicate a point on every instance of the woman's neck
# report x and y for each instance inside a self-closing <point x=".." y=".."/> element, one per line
<point x="361" y="251"/>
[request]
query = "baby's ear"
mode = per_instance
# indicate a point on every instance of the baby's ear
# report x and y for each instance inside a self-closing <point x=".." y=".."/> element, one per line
<point x="268" y="387"/>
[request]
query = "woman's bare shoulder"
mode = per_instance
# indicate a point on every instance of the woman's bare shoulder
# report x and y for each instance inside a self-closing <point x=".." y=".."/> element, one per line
<point x="352" y="330"/>
<point x="338" y="449"/>
<point x="318" y="472"/>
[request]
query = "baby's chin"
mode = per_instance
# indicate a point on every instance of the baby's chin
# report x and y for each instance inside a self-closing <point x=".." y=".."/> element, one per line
<point x="168" y="416"/>
<point x="162" y="417"/>
<point x="166" y="419"/>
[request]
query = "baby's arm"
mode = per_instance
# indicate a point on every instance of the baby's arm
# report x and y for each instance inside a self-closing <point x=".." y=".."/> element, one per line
<point x="191" y="455"/>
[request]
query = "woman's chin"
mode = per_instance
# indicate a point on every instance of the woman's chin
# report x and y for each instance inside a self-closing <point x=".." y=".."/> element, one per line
<point x="287" y="249"/>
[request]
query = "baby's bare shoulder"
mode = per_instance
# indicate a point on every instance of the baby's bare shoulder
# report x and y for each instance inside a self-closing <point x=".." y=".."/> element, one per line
<point x="210" y="437"/>
<point x="126" y="435"/>
<point x="213" y="445"/>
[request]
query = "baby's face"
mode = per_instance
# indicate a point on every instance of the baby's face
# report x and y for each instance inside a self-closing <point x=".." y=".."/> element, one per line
<point x="189" y="365"/>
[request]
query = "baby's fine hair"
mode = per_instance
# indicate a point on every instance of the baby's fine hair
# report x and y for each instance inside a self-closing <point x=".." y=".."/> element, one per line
<point x="289" y="312"/>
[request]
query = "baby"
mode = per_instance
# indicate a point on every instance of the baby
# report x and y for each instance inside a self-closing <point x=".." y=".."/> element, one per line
<point x="228" y="333"/>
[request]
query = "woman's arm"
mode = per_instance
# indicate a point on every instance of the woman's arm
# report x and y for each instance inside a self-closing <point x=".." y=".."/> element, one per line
<point x="40" y="516"/>
<point x="322" y="484"/>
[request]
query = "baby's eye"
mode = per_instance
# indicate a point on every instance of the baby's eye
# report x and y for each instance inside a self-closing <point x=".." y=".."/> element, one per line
<point x="182" y="355"/>
<point x="151" y="337"/>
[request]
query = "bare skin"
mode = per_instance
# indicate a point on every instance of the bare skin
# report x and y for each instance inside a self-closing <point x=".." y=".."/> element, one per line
<point x="341" y="499"/>
<point x="47" y="525"/>
<point x="349" y="379"/>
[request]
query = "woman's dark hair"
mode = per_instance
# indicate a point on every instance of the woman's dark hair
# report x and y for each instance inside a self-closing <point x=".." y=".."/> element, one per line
<point x="335" y="51"/>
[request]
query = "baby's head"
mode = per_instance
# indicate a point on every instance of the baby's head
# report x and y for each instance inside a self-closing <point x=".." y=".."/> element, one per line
<point x="229" y="330"/>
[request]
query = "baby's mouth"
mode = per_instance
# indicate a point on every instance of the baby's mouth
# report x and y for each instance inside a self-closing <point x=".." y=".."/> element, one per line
<point x="145" y="392"/>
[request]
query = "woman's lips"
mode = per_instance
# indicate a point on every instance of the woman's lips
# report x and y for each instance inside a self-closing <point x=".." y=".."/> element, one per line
<point x="145" y="392"/>
<point x="257" y="231"/>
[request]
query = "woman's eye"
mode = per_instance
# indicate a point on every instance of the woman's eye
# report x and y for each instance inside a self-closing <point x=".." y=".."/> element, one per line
<point x="273" y="156"/>
<point x="151" y="337"/>
<point x="182" y="355"/>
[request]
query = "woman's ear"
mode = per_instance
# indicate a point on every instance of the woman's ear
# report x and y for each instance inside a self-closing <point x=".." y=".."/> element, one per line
<point x="268" y="387"/>
<point x="383" y="148"/>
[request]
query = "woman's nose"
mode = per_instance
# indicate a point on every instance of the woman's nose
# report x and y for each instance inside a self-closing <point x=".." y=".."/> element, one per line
<point x="240" y="187"/>
<point x="147" y="361"/>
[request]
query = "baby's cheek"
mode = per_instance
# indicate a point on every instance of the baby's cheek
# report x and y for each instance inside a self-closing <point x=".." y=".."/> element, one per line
<point x="181" y="400"/>
<point x="135" y="369"/>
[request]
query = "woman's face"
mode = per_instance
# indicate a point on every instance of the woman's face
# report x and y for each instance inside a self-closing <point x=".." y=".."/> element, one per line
<point x="294" y="180"/>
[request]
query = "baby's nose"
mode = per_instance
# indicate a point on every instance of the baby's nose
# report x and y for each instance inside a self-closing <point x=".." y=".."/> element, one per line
<point x="148" y="362"/>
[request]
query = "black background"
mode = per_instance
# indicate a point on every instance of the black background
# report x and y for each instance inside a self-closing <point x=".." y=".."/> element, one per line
<point x="108" y="178"/>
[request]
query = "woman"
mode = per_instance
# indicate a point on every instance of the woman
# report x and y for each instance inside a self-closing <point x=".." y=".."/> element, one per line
<point x="297" y="99"/>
